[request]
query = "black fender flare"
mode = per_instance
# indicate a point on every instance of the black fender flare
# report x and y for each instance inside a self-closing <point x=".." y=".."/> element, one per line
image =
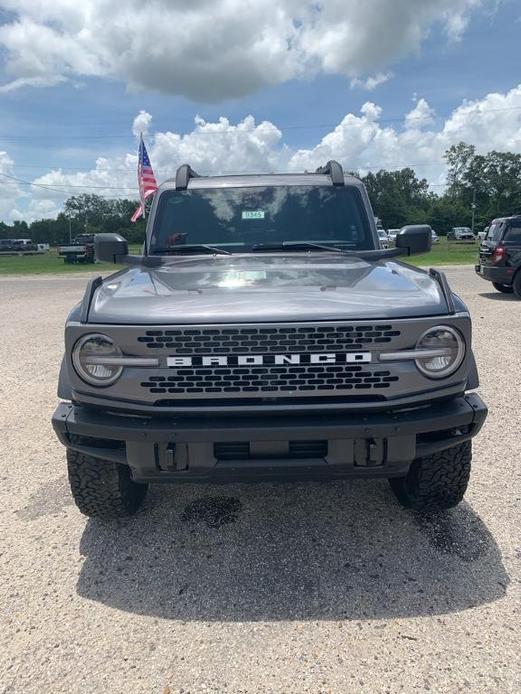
<point x="473" y="377"/>
<point x="64" y="384"/>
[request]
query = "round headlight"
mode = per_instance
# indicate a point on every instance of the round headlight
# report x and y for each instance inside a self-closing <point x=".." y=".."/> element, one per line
<point x="444" y="351"/>
<point x="92" y="356"/>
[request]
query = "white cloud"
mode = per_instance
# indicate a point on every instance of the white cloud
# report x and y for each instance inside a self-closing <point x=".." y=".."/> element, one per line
<point x="371" y="82"/>
<point x="211" y="51"/>
<point x="367" y="142"/>
<point x="221" y="146"/>
<point x="421" y="115"/>
<point x="361" y="142"/>
<point x="49" y="81"/>
<point x="141" y="124"/>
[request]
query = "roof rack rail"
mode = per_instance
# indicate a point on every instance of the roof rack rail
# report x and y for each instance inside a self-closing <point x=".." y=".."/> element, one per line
<point x="183" y="175"/>
<point x="333" y="169"/>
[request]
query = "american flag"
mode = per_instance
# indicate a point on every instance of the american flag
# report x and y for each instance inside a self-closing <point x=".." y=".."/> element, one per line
<point x="145" y="178"/>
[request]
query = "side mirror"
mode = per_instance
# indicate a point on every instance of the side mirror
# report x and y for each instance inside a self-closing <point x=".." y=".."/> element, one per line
<point x="414" y="238"/>
<point x="110" y="248"/>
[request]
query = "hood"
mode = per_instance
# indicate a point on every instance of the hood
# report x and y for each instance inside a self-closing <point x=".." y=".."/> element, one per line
<point x="265" y="288"/>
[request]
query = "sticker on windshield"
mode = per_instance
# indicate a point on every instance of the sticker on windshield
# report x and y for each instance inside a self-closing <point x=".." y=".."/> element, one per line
<point x="253" y="214"/>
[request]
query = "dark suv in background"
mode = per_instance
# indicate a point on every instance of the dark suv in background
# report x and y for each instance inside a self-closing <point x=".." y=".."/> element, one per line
<point x="500" y="255"/>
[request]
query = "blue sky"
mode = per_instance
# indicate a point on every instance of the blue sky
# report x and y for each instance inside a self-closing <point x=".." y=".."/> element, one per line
<point x="87" y="111"/>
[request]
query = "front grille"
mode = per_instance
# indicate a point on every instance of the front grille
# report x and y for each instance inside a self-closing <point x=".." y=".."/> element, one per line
<point x="271" y="379"/>
<point x="273" y="340"/>
<point x="269" y="361"/>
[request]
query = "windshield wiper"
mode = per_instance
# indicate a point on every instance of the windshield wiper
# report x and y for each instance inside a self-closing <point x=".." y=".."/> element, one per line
<point x="190" y="247"/>
<point x="368" y="254"/>
<point x="299" y="246"/>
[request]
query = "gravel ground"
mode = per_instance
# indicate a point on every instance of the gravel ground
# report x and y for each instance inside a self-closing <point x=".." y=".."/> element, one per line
<point x="293" y="588"/>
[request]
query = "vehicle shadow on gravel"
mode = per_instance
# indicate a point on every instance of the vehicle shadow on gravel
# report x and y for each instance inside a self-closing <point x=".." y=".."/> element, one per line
<point x="338" y="550"/>
<point x="497" y="296"/>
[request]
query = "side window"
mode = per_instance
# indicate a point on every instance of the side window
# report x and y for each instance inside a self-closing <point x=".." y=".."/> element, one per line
<point x="513" y="235"/>
<point x="494" y="232"/>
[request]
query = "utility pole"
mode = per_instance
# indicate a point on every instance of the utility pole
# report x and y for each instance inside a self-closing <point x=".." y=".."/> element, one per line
<point x="473" y="208"/>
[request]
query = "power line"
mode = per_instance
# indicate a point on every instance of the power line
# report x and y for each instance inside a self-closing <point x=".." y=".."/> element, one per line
<point x="236" y="129"/>
<point x="60" y="186"/>
<point x="172" y="172"/>
<point x="28" y="183"/>
<point x="65" y="188"/>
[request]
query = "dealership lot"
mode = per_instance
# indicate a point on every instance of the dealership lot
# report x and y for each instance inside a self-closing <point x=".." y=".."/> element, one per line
<point x="264" y="588"/>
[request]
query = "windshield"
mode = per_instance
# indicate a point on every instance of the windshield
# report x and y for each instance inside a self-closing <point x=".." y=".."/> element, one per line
<point x="239" y="218"/>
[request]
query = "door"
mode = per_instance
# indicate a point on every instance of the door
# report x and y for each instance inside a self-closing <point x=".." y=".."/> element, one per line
<point x="512" y="242"/>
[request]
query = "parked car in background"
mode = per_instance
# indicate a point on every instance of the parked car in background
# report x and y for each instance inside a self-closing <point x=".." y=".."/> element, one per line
<point x="18" y="247"/>
<point x="81" y="250"/>
<point x="383" y="238"/>
<point x="435" y="237"/>
<point x="482" y="235"/>
<point x="461" y="234"/>
<point x="500" y="255"/>
<point x="391" y="236"/>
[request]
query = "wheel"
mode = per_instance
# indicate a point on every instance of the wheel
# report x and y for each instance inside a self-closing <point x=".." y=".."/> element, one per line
<point x="101" y="488"/>
<point x="436" y="482"/>
<point x="516" y="284"/>
<point x="505" y="288"/>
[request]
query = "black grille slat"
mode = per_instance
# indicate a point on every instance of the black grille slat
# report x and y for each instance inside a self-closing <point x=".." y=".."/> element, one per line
<point x="232" y="450"/>
<point x="268" y="340"/>
<point x="240" y="450"/>
<point x="308" y="449"/>
<point x="275" y="378"/>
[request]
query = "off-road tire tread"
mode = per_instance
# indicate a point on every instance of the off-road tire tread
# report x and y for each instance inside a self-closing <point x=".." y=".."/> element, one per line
<point x="101" y="488"/>
<point x="436" y="482"/>
<point x="504" y="288"/>
<point x="516" y="284"/>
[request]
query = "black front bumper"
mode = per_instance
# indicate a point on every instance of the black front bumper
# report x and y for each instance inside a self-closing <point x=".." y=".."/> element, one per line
<point x="191" y="449"/>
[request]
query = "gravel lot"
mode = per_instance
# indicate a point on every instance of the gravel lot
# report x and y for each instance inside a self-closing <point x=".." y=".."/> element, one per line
<point x="293" y="588"/>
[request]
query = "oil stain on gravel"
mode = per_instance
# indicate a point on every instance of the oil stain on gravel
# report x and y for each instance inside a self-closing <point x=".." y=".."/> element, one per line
<point x="214" y="511"/>
<point x="51" y="497"/>
<point x="457" y="533"/>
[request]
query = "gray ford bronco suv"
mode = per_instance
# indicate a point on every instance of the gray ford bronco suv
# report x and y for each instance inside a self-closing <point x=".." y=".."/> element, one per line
<point x="262" y="335"/>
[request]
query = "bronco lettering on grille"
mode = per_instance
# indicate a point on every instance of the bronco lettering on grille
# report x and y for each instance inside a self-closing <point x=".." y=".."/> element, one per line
<point x="265" y="359"/>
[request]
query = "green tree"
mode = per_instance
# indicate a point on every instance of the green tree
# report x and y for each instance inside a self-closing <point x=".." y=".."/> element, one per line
<point x="497" y="179"/>
<point x="492" y="181"/>
<point x="445" y="212"/>
<point x="397" y="197"/>
<point x="459" y="160"/>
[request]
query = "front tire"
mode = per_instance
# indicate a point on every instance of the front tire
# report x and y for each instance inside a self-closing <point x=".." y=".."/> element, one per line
<point x="505" y="288"/>
<point x="516" y="284"/>
<point x="436" y="482"/>
<point x="101" y="488"/>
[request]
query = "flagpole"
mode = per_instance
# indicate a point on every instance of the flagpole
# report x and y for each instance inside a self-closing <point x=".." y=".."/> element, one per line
<point x="141" y="191"/>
